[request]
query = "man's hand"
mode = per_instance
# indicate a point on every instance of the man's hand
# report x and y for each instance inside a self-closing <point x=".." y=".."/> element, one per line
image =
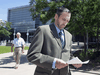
<point x="77" y="65"/>
<point x="60" y="64"/>
<point x="22" y="51"/>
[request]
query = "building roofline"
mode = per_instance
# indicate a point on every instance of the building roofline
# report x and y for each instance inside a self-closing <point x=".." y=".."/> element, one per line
<point x="18" y="7"/>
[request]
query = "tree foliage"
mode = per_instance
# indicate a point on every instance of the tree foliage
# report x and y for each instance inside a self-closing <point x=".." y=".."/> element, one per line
<point x="45" y="9"/>
<point x="85" y="15"/>
<point x="5" y="28"/>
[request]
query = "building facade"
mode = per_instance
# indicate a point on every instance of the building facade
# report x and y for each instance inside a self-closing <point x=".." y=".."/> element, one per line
<point x="22" y="21"/>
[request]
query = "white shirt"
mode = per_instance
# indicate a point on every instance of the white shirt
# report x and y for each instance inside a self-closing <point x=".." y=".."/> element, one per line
<point x="18" y="42"/>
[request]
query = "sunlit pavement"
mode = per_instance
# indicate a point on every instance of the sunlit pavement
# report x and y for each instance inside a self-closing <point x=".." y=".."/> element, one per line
<point x="7" y="65"/>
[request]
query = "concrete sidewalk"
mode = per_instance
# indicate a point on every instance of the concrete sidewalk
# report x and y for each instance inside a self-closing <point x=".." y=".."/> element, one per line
<point x="25" y="68"/>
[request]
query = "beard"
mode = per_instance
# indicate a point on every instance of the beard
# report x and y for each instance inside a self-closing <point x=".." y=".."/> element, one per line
<point x="60" y="25"/>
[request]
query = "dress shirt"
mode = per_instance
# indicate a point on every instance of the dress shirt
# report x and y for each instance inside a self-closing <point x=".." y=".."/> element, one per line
<point x="18" y="42"/>
<point x="58" y="31"/>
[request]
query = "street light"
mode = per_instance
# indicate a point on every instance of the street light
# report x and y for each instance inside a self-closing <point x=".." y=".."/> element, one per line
<point x="14" y="32"/>
<point x="27" y="36"/>
<point x="28" y="30"/>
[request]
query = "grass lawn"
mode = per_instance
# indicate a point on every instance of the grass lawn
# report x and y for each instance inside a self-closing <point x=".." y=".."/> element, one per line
<point x="6" y="49"/>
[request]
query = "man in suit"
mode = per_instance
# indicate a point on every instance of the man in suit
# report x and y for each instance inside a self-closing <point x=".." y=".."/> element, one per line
<point x="51" y="46"/>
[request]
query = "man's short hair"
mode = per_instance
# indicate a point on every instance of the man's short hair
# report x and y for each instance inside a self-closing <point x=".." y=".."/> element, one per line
<point x="62" y="9"/>
<point x="18" y="33"/>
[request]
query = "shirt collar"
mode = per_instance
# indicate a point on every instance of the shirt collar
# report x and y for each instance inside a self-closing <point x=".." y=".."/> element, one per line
<point x="58" y="30"/>
<point x="18" y="38"/>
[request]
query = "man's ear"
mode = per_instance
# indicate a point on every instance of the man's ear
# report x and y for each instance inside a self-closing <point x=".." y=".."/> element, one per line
<point x="56" y="16"/>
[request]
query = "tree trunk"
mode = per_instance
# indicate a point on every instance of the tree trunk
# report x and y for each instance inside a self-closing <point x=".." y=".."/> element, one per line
<point x="85" y="50"/>
<point x="97" y="37"/>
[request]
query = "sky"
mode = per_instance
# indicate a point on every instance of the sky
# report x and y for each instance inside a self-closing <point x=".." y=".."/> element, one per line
<point x="6" y="4"/>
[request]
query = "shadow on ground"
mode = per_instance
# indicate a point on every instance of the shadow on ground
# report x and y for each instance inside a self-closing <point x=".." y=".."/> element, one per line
<point x="84" y="71"/>
<point x="10" y="59"/>
<point x="90" y="67"/>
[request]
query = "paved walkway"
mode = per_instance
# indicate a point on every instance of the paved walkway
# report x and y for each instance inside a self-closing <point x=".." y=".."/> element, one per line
<point x="25" y="68"/>
<point x="7" y="64"/>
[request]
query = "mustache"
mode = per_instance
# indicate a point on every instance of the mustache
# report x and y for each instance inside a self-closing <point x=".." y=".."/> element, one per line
<point x="64" y="24"/>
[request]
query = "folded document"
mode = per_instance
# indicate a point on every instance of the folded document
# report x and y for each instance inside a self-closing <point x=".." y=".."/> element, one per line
<point x="76" y="60"/>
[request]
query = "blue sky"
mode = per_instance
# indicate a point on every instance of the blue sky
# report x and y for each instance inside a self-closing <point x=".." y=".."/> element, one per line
<point x="5" y="4"/>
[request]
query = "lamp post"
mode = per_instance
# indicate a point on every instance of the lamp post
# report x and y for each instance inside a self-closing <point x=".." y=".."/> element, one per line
<point x="27" y="36"/>
<point x="14" y="32"/>
<point x="87" y="39"/>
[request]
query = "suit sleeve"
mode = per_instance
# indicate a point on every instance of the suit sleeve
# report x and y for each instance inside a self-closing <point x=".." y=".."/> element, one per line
<point x="34" y="54"/>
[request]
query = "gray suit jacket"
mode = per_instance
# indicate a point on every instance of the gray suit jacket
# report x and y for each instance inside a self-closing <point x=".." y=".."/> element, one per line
<point x="46" y="46"/>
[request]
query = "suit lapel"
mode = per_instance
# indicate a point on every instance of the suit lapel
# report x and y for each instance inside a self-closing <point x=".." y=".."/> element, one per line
<point x="54" y="33"/>
<point x="65" y="38"/>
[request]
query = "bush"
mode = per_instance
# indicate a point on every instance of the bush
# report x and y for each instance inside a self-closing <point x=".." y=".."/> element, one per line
<point x="91" y="54"/>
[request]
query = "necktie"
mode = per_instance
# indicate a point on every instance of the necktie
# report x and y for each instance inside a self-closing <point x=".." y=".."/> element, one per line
<point x="61" y="38"/>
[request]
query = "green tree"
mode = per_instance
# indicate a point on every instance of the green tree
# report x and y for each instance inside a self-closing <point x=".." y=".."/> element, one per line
<point x="39" y="8"/>
<point x="85" y="14"/>
<point x="5" y="29"/>
<point x="85" y="18"/>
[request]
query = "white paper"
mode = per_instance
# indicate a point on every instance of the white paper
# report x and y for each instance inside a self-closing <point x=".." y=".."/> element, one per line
<point x="76" y="60"/>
